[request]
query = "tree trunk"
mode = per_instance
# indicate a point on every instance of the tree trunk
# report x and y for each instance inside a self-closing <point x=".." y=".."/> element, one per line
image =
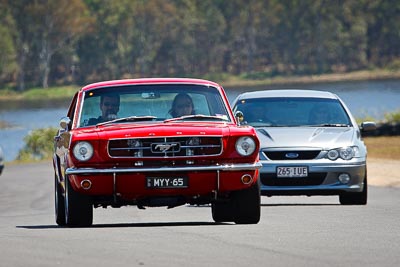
<point x="22" y="55"/>
<point x="45" y="58"/>
<point x="46" y="71"/>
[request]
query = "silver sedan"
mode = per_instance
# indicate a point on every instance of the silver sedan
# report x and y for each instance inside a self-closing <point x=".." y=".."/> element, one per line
<point x="310" y="144"/>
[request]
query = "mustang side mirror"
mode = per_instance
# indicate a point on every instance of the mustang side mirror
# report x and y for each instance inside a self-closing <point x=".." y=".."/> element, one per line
<point x="239" y="117"/>
<point x="368" y="126"/>
<point x="64" y="123"/>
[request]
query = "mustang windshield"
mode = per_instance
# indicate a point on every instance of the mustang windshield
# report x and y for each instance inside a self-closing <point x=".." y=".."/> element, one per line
<point x="290" y="112"/>
<point x="123" y="104"/>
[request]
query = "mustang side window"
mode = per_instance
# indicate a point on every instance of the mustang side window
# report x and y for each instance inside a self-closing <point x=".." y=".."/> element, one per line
<point x="90" y="109"/>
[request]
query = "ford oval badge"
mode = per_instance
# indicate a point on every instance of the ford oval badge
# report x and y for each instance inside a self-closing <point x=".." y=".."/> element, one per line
<point x="292" y="155"/>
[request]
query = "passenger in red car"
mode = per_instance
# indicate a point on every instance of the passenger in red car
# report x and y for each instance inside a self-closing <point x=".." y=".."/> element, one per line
<point x="109" y="106"/>
<point x="182" y="106"/>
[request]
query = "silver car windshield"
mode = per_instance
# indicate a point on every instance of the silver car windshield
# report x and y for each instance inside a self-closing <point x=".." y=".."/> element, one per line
<point x="151" y="103"/>
<point x="293" y="112"/>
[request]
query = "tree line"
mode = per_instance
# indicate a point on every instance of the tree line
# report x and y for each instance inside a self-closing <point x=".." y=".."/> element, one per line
<point x="61" y="42"/>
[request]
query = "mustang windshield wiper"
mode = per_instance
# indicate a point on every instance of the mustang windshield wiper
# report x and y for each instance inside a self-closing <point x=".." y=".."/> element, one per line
<point x="196" y="118"/>
<point x="131" y="118"/>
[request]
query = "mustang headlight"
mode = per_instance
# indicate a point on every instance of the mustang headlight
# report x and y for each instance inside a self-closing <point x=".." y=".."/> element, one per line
<point x="245" y="146"/>
<point x="346" y="153"/>
<point x="83" y="151"/>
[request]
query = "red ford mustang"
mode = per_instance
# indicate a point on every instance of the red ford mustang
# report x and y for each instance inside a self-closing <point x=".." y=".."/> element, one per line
<point x="151" y="143"/>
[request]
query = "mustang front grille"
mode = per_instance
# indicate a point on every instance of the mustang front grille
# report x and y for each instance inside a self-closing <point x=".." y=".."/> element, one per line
<point x="165" y="147"/>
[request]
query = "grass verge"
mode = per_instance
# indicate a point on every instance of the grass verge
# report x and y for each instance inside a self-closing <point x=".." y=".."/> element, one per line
<point x="383" y="147"/>
<point x="35" y="94"/>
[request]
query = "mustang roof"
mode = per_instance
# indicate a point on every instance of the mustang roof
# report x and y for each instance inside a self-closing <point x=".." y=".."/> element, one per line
<point x="149" y="81"/>
<point x="287" y="93"/>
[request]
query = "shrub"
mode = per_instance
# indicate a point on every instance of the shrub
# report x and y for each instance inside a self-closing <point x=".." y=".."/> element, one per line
<point x="38" y="145"/>
<point x="393" y="117"/>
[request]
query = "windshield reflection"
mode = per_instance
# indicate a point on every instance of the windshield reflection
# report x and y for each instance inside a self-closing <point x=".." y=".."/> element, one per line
<point x="293" y="112"/>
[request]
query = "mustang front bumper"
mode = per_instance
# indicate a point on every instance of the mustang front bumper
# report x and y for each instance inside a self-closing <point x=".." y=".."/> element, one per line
<point x="131" y="182"/>
<point x="228" y="167"/>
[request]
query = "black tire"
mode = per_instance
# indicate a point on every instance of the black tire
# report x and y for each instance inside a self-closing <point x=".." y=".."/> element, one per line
<point x="59" y="203"/>
<point x="247" y="205"/>
<point x="359" y="198"/>
<point x="222" y="211"/>
<point x="78" y="208"/>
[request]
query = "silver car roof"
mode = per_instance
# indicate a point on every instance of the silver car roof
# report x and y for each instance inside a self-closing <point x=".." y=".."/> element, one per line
<point x="287" y="93"/>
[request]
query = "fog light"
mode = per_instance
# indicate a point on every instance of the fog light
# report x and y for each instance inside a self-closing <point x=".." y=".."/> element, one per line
<point x="247" y="179"/>
<point x="86" y="184"/>
<point x="344" y="178"/>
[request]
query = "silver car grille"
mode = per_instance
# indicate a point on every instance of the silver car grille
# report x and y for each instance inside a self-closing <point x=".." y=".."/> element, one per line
<point x="165" y="147"/>
<point x="291" y="154"/>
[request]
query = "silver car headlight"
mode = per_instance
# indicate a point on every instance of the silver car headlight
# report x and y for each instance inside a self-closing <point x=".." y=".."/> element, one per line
<point x="333" y="154"/>
<point x="245" y="145"/>
<point x="83" y="151"/>
<point x="346" y="153"/>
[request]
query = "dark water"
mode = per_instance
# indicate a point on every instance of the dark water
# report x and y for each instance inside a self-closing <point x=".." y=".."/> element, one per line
<point x="364" y="98"/>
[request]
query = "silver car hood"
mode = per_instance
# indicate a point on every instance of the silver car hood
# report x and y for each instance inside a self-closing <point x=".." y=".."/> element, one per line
<point x="322" y="137"/>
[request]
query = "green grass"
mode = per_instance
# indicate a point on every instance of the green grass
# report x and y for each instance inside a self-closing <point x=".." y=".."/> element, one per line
<point x="56" y="93"/>
<point x="53" y="93"/>
<point x="264" y="79"/>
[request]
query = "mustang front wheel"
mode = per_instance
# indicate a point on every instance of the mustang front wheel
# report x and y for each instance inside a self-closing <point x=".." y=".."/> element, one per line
<point x="78" y="208"/>
<point x="222" y="211"/>
<point x="247" y="205"/>
<point x="59" y="203"/>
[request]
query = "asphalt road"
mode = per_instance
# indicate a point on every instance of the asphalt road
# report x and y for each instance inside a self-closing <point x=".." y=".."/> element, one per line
<point x="293" y="231"/>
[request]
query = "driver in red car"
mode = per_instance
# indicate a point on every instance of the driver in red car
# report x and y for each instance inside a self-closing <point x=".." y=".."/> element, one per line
<point x="109" y="106"/>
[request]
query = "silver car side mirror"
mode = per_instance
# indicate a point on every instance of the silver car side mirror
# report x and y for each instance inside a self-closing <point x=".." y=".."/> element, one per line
<point x="368" y="126"/>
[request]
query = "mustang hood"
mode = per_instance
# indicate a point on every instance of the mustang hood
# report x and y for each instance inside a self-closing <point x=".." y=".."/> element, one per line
<point x="129" y="130"/>
<point x="305" y="136"/>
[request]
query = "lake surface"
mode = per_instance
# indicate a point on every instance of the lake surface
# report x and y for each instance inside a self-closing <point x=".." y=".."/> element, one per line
<point x="364" y="98"/>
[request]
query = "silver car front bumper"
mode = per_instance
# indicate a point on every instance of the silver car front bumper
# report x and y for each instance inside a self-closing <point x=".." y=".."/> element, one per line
<point x="322" y="177"/>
